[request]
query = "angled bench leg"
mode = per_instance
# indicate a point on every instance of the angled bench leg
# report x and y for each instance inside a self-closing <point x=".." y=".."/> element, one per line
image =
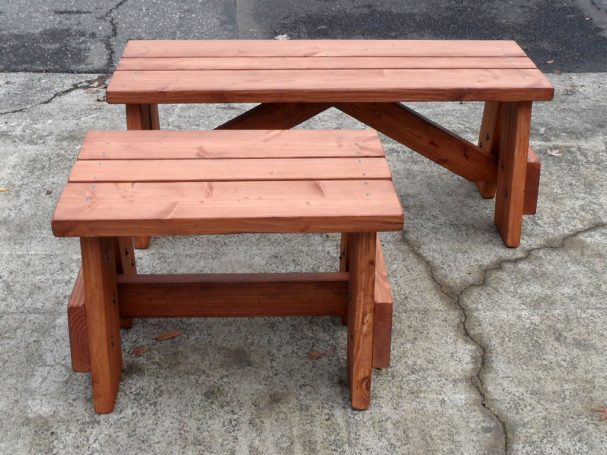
<point x="102" y="319"/>
<point x="512" y="171"/>
<point x="343" y="264"/>
<point x="142" y="117"/>
<point x="360" y="317"/>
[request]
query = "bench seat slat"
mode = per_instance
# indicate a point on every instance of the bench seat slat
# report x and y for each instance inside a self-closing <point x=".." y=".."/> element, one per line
<point x="322" y="48"/>
<point x="130" y="209"/>
<point x="132" y="145"/>
<point x="229" y="170"/>
<point x="303" y="63"/>
<point x="361" y="85"/>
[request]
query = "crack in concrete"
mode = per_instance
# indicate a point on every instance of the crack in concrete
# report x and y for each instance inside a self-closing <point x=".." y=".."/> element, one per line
<point x="109" y="16"/>
<point x="97" y="82"/>
<point x="456" y="297"/>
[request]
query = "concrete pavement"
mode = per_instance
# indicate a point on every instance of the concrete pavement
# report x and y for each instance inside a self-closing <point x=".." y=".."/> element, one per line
<point x="495" y="350"/>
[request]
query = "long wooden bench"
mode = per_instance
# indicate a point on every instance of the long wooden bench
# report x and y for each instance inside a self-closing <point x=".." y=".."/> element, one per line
<point x="126" y="184"/>
<point x="368" y="80"/>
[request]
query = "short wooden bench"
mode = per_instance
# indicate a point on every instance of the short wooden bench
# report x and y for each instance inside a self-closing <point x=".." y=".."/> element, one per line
<point x="369" y="80"/>
<point x="127" y="184"/>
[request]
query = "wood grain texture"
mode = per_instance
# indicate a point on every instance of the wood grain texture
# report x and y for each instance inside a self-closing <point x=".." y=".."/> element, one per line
<point x="182" y="208"/>
<point x="233" y="295"/>
<point x="78" y="334"/>
<point x="307" y="63"/>
<point x="343" y="263"/>
<point x="512" y="170"/>
<point x="382" y="318"/>
<point x="226" y="170"/>
<point x="125" y="265"/>
<point x="321" y="48"/>
<point x="360" y="317"/>
<point x="426" y="137"/>
<point x="489" y="142"/>
<point x="233" y="144"/>
<point x="278" y="116"/>
<point x="102" y="320"/>
<point x="532" y="183"/>
<point x="328" y="86"/>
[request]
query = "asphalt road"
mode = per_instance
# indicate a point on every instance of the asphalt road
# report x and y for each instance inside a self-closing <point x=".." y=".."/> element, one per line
<point x="89" y="35"/>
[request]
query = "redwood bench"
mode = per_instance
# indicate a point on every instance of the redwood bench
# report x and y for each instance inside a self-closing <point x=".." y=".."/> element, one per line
<point x="134" y="183"/>
<point x="368" y="80"/>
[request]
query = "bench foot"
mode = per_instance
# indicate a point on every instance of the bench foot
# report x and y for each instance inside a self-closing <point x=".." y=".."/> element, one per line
<point x="102" y="320"/>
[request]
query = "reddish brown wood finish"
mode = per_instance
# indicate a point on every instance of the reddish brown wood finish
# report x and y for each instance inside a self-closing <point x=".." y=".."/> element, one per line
<point x="76" y="321"/>
<point x="233" y="295"/>
<point x="532" y="182"/>
<point x="512" y="169"/>
<point x="382" y="319"/>
<point x="278" y="116"/>
<point x="102" y="320"/>
<point x="360" y="317"/>
<point x="142" y="117"/>
<point x="424" y="136"/>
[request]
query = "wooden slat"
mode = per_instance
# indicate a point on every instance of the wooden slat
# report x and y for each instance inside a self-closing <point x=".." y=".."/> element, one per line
<point x="274" y="116"/>
<point x="117" y="145"/>
<point x="322" y="48"/>
<point x="426" y="137"/>
<point x="512" y="170"/>
<point x="229" y="170"/>
<point x="366" y="85"/>
<point x="233" y="295"/>
<point x="78" y="334"/>
<point x="130" y="209"/>
<point x="382" y="325"/>
<point x="361" y="317"/>
<point x="102" y="320"/>
<point x="306" y="63"/>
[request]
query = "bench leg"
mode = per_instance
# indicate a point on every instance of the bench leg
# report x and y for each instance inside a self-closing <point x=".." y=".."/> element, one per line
<point x="512" y="171"/>
<point x="489" y="141"/>
<point x="102" y="320"/>
<point x="142" y="117"/>
<point x="126" y="265"/>
<point x="343" y="264"/>
<point x="360" y="317"/>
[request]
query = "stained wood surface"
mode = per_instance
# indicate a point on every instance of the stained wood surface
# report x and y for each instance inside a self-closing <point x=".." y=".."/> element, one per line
<point x="321" y="48"/>
<point x="360" y="85"/>
<point x="308" y="63"/>
<point x="102" y="320"/>
<point x="382" y="318"/>
<point x="274" y="116"/>
<point x="512" y="170"/>
<point x="205" y="170"/>
<point x="78" y="334"/>
<point x="148" y="145"/>
<point x="142" y="197"/>
<point x="532" y="183"/>
<point x="426" y="137"/>
<point x="361" y="253"/>
<point x="325" y="71"/>
<point x="233" y="295"/>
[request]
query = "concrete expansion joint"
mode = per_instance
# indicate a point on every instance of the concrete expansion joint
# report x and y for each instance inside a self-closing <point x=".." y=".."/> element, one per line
<point x="456" y="298"/>
<point x="109" y="16"/>
<point x="97" y="82"/>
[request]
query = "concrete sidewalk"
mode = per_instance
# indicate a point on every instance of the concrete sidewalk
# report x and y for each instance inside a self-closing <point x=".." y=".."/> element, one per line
<point x="495" y="350"/>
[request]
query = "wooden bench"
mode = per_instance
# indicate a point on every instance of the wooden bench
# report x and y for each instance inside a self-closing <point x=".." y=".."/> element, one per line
<point x="126" y="184"/>
<point x="368" y="80"/>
